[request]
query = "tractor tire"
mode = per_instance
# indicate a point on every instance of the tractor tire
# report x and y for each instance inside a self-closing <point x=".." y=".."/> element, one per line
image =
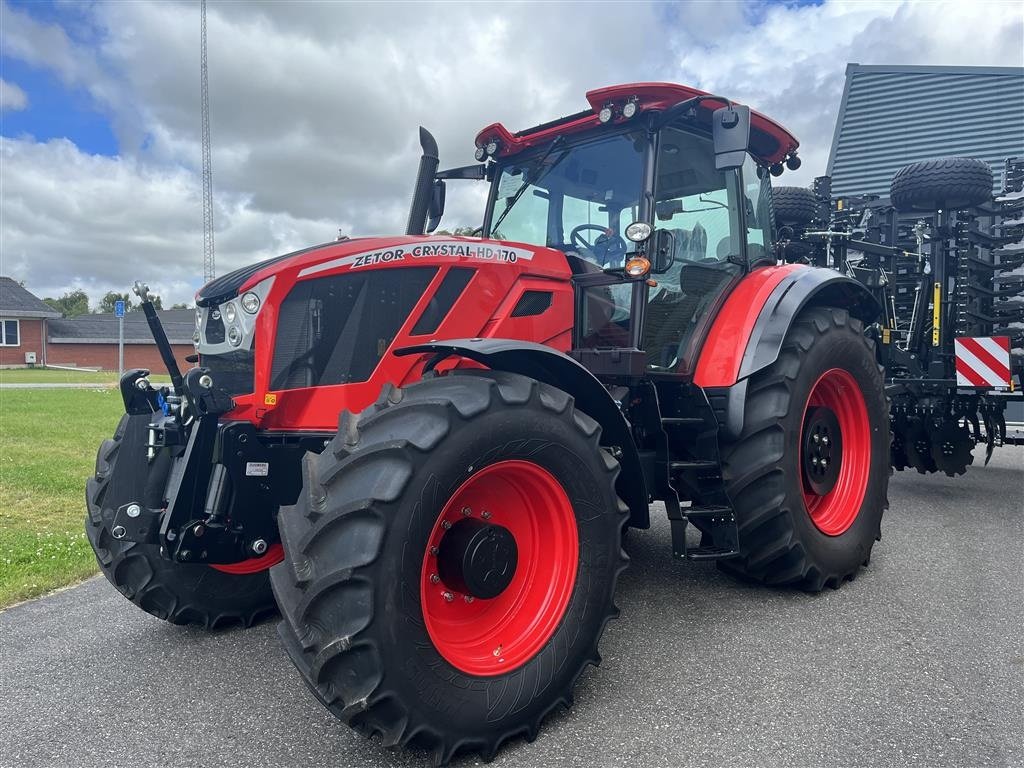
<point x="947" y="183"/>
<point x="795" y="206"/>
<point x="795" y="528"/>
<point x="377" y="613"/>
<point x="202" y="595"/>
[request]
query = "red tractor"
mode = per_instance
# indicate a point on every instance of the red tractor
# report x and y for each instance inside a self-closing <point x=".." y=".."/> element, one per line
<point x="424" y="451"/>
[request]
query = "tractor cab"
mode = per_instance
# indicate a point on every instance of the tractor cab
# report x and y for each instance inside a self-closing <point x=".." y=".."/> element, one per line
<point x="658" y="211"/>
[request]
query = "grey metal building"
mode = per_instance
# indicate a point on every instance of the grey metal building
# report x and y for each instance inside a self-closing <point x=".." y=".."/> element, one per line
<point x="894" y="115"/>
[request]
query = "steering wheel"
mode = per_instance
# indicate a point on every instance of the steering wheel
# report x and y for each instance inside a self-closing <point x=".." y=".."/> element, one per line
<point x="608" y="248"/>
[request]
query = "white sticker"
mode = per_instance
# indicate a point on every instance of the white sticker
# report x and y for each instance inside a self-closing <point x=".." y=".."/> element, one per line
<point x="509" y="184"/>
<point x="257" y="469"/>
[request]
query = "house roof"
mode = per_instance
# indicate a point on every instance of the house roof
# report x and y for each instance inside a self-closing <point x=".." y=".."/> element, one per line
<point x="15" y="301"/>
<point x="179" y="325"/>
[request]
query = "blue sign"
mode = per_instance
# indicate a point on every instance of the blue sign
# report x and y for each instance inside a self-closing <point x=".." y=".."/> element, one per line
<point x="118" y="309"/>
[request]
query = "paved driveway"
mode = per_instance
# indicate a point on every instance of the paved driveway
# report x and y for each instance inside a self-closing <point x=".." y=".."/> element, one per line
<point x="919" y="662"/>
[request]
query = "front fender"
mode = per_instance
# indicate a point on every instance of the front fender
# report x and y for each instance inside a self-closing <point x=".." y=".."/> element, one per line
<point x="559" y="370"/>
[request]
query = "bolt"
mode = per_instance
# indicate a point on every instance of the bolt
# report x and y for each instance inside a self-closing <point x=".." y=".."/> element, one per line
<point x="433" y="551"/>
<point x="198" y="530"/>
<point x="445" y="524"/>
<point x="814" y="461"/>
<point x="134" y="510"/>
<point x="825" y="439"/>
<point x="205" y="381"/>
<point x="816" y="439"/>
<point x="118" y="532"/>
<point x="485" y="515"/>
<point x="448" y="596"/>
<point x="468" y="598"/>
<point x="184" y="555"/>
<point x="434" y="578"/>
<point x="142" y="384"/>
<point x="824" y="463"/>
<point x="467" y="511"/>
<point x="497" y="651"/>
<point x="259" y="546"/>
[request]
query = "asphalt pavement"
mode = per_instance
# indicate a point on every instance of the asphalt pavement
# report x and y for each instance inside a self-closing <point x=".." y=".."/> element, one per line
<point x="919" y="662"/>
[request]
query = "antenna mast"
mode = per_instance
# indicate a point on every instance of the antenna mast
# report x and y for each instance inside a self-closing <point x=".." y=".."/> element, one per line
<point x="208" y="266"/>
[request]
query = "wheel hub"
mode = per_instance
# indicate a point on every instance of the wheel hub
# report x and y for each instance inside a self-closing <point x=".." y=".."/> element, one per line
<point x="477" y="558"/>
<point x="822" y="450"/>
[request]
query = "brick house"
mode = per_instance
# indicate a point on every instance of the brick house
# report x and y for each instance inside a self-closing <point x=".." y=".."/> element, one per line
<point x="23" y="325"/>
<point x="91" y="340"/>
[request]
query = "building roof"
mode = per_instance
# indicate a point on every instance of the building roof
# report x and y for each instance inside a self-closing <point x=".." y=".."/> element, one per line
<point x="891" y="116"/>
<point x="179" y="325"/>
<point x="15" y="301"/>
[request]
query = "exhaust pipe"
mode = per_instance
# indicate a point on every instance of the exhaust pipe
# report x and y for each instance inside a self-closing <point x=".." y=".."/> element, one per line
<point x="423" y="190"/>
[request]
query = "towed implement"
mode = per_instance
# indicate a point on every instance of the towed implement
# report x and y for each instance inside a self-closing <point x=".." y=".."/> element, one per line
<point x="424" y="450"/>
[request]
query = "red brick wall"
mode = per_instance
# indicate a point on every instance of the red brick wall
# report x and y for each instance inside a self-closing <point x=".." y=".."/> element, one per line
<point x="30" y="340"/>
<point x="105" y="356"/>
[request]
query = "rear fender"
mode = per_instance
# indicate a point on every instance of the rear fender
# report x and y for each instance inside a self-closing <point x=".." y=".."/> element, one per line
<point x="747" y="335"/>
<point x="559" y="370"/>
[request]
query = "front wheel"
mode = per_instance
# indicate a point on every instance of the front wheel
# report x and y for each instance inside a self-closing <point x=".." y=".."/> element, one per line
<point x="451" y="563"/>
<point x="809" y="473"/>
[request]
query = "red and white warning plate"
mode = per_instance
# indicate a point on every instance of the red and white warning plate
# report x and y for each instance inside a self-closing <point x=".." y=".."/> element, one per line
<point x="982" y="361"/>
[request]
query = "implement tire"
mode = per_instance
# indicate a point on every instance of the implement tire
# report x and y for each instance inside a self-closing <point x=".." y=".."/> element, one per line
<point x="948" y="183"/>
<point x="802" y="523"/>
<point x="181" y="594"/>
<point x="795" y="206"/>
<point x="376" y="624"/>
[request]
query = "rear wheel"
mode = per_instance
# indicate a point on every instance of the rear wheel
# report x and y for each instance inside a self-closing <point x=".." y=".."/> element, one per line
<point x="208" y="596"/>
<point x="809" y="473"/>
<point x="451" y="563"/>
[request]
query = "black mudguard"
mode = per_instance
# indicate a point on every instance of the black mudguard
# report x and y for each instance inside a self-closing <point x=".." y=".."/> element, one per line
<point x="559" y="370"/>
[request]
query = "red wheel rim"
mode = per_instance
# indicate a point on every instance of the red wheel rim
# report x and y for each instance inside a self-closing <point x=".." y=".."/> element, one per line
<point x="273" y="556"/>
<point x="834" y="512"/>
<point x="491" y="637"/>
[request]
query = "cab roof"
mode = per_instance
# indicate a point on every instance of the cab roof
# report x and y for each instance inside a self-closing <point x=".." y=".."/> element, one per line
<point x="769" y="142"/>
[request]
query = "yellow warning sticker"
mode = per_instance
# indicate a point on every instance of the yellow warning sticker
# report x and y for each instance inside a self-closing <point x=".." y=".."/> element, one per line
<point x="886" y="335"/>
<point x="270" y="399"/>
<point x="936" y="313"/>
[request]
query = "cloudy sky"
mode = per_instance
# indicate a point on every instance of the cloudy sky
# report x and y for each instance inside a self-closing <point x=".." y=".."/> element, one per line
<point x="314" y="108"/>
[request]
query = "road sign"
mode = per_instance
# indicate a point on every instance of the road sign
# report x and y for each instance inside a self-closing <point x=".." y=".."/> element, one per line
<point x="118" y="309"/>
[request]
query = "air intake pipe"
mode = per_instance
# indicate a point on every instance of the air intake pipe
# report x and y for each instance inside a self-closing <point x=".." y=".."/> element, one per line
<point x="424" y="189"/>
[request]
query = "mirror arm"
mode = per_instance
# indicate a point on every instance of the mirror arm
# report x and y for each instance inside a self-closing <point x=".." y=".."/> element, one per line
<point x="476" y="172"/>
<point x="683" y="107"/>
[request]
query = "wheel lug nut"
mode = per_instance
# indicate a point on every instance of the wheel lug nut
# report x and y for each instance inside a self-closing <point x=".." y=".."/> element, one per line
<point x="434" y="578"/>
<point x="445" y="524"/>
<point x="825" y="439"/>
<point x="448" y="596"/>
<point x="816" y="439"/>
<point x="433" y="551"/>
<point x="468" y="598"/>
<point x="466" y="511"/>
<point x="485" y="515"/>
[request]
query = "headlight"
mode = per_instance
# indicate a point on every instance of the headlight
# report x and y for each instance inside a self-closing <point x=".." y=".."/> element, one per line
<point x="230" y="312"/>
<point x="638" y="231"/>
<point x="492" y="147"/>
<point x="480" y="154"/>
<point x="250" y="303"/>
<point x="605" y="115"/>
<point x="234" y="336"/>
<point x="629" y="109"/>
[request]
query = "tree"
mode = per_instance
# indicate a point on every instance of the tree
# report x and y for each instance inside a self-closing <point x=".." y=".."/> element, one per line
<point x="71" y="304"/>
<point x="181" y="305"/>
<point x="112" y="297"/>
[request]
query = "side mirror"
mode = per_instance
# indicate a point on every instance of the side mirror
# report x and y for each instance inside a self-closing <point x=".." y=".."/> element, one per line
<point x="730" y="130"/>
<point x="661" y="250"/>
<point x="436" y="208"/>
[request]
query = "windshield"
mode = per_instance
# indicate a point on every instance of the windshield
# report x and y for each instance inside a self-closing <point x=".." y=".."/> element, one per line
<point x="577" y="198"/>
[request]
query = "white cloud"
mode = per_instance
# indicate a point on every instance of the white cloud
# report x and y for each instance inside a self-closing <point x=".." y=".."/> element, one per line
<point x="315" y="107"/>
<point x="11" y="96"/>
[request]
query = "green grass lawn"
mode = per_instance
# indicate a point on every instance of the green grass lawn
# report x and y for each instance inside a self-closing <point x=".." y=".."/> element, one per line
<point x="48" y="442"/>
<point x="55" y="376"/>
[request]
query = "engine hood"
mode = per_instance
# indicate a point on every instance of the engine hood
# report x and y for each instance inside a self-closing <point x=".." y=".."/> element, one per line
<point x="369" y="252"/>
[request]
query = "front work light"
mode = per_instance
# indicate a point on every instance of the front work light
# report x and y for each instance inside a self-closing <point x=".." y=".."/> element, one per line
<point x="638" y="231"/>
<point x="492" y="147"/>
<point x="480" y="154"/>
<point x="250" y="303"/>
<point x="629" y="109"/>
<point x="605" y="115"/>
<point x="638" y="266"/>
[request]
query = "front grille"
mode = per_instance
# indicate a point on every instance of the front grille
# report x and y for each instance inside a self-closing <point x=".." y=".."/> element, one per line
<point x="334" y="330"/>
<point x="232" y="371"/>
